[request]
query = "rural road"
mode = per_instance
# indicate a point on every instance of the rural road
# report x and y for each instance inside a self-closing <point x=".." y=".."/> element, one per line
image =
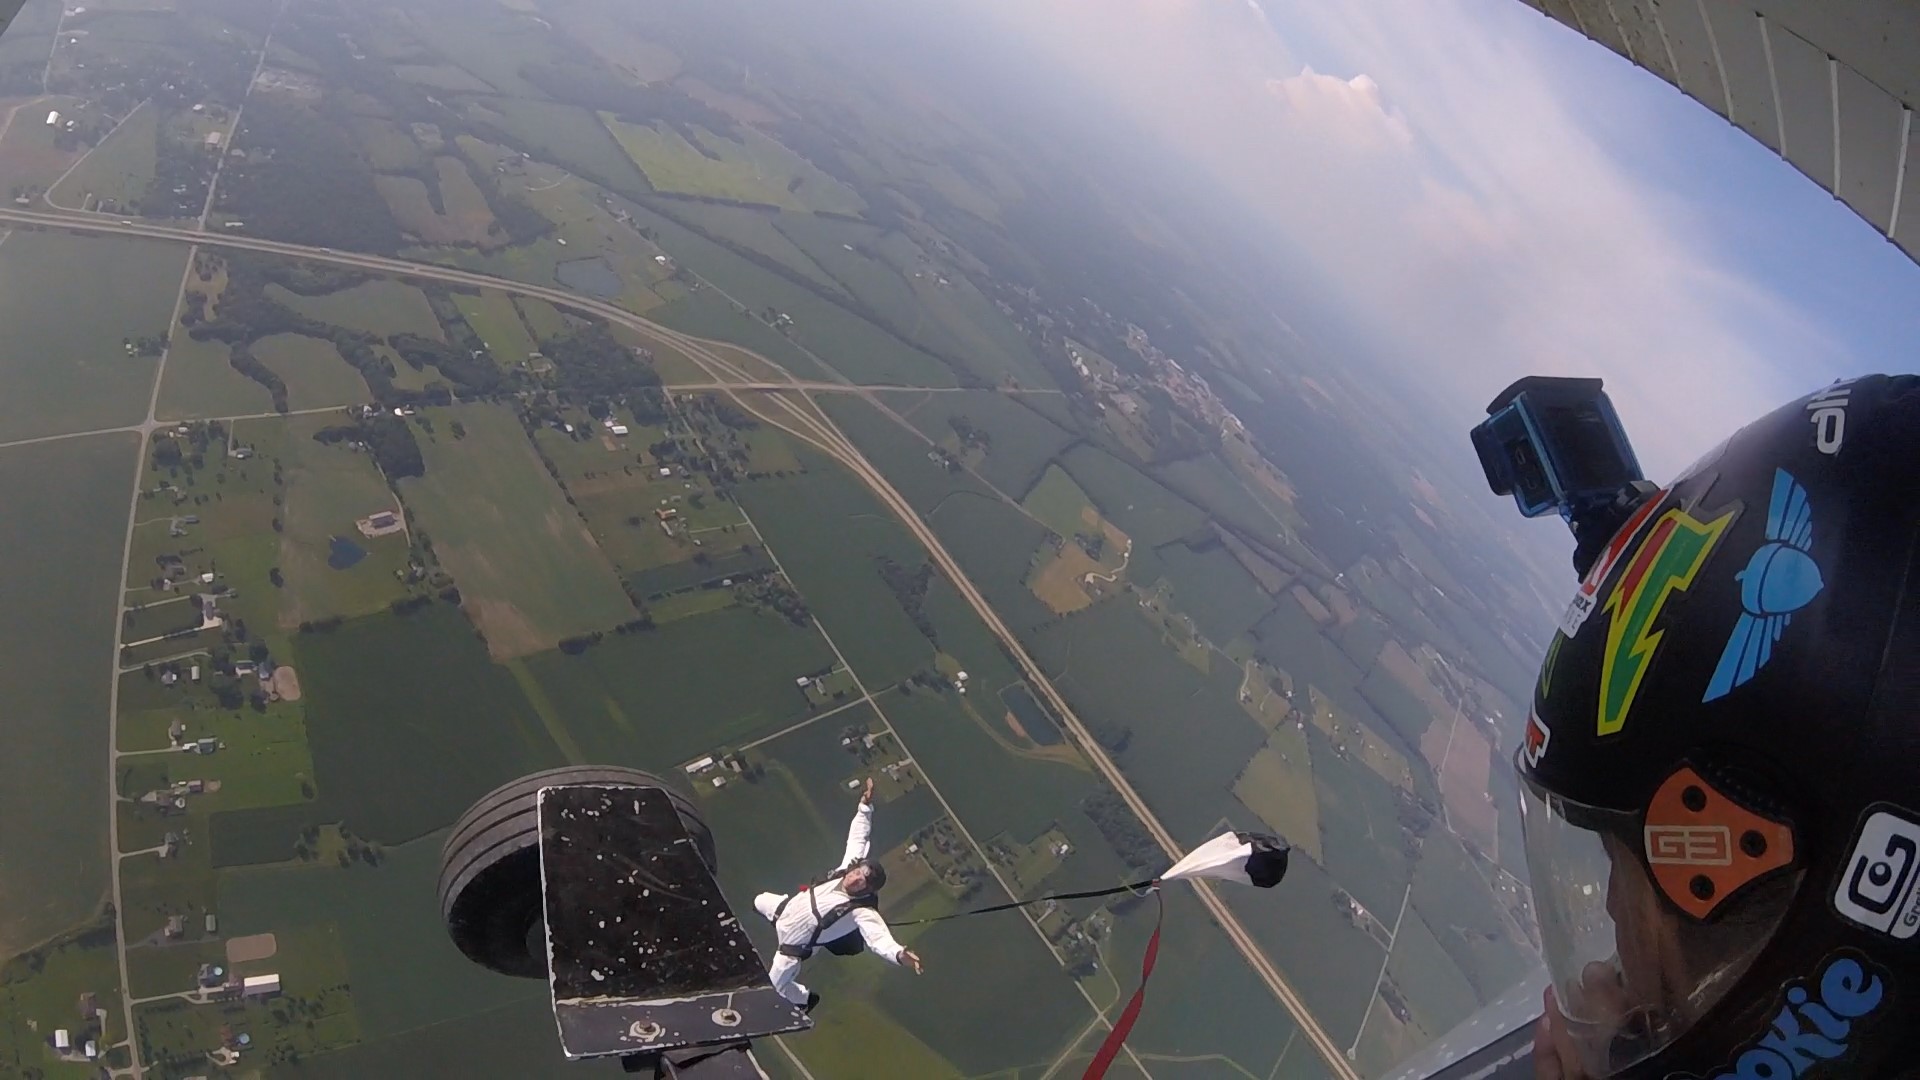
<point x="829" y="438"/>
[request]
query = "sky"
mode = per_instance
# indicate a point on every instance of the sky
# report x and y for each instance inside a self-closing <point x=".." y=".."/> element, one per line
<point x="1493" y="196"/>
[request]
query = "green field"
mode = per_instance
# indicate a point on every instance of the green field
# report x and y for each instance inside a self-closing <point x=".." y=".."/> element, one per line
<point x="119" y="168"/>
<point x="528" y="570"/>
<point x="40" y="994"/>
<point x="542" y="318"/>
<point x="1452" y="896"/>
<point x="1210" y="484"/>
<point x="200" y="381"/>
<point x="66" y="304"/>
<point x="441" y="77"/>
<point x="315" y="373"/>
<point x="994" y="544"/>
<point x="827" y="531"/>
<point x="1020" y="442"/>
<point x="59" y="644"/>
<point x="494" y="317"/>
<point x="382" y="306"/>
<point x="1277" y="786"/>
<point x="386" y="147"/>
<point x="396" y="754"/>
<point x="1059" y="503"/>
<point x="1210" y="585"/>
<point x="1144" y="510"/>
<point x="856" y="348"/>
<point x="329" y="488"/>
<point x="659" y="698"/>
<point x="1362" y="838"/>
<point x="566" y="135"/>
<point x="755" y="228"/>
<point x="406" y="973"/>
<point x="1184" y="736"/>
<point x="900" y="454"/>
<point x="707" y="314"/>
<point x="757" y="170"/>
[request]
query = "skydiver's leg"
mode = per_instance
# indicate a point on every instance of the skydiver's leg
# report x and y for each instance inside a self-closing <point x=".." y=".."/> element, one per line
<point x="785" y="974"/>
<point x="767" y="903"/>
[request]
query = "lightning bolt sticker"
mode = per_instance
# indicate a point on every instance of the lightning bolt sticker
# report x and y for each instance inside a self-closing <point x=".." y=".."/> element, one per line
<point x="1667" y="562"/>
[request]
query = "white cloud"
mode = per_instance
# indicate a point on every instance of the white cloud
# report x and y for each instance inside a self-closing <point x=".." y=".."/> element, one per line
<point x="1452" y="185"/>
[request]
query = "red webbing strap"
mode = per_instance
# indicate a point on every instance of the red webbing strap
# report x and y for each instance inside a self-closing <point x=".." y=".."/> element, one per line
<point x="1118" y="1036"/>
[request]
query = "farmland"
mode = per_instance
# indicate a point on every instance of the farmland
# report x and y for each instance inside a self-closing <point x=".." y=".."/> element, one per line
<point x="381" y="305"/>
<point x="1143" y="509"/>
<point x="329" y="488"/>
<point x="67" y="304"/>
<point x="829" y="533"/>
<point x="464" y="219"/>
<point x="315" y="373"/>
<point x="757" y="170"/>
<point x="494" y="317"/>
<point x="62" y="561"/>
<point x="117" y="170"/>
<point x="528" y="570"/>
<point x="658" y="698"/>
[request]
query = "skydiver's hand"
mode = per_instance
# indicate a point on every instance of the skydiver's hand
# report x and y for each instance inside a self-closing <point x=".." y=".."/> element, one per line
<point x="1554" y="1057"/>
<point x="913" y="961"/>
<point x="867" y="795"/>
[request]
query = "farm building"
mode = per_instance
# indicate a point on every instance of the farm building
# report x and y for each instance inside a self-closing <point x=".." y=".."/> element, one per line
<point x="701" y="765"/>
<point x="260" y="986"/>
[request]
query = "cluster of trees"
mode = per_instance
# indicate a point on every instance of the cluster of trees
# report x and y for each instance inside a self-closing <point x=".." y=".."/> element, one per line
<point x="304" y="181"/>
<point x="593" y="370"/>
<point x="910" y="590"/>
<point x="772" y="594"/>
<point x="970" y="434"/>
<point x="1122" y="829"/>
<point x="394" y="448"/>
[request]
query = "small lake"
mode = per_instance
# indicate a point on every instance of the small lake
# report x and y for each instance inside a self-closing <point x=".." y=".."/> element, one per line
<point x="589" y="276"/>
<point x="1033" y="719"/>
<point x="343" y="552"/>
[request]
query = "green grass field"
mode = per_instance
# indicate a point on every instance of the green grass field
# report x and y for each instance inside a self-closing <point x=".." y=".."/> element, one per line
<point x="568" y="136"/>
<point x="1210" y="585"/>
<point x="386" y="146"/>
<point x="1277" y="786"/>
<point x="1021" y="443"/>
<point x="827" y="532"/>
<point x="659" y="698"/>
<point x="1188" y="735"/>
<point x="382" y="306"/>
<point x="118" y="169"/>
<point x="464" y="218"/>
<point x="59" y="643"/>
<point x="66" y="304"/>
<point x="1360" y="827"/>
<point x="405" y="972"/>
<point x="758" y="170"/>
<point x="1129" y="498"/>
<point x="994" y="544"/>
<point x="28" y="156"/>
<point x="494" y="317"/>
<point x="397" y="755"/>
<point x="329" y="488"/>
<point x="529" y="572"/>
<point x="1059" y="503"/>
<point x="900" y="453"/>
<point x="40" y="994"/>
<point x="755" y="228"/>
<point x="316" y="375"/>
<point x="858" y="349"/>
<point x="200" y="381"/>
<point x="542" y="318"/>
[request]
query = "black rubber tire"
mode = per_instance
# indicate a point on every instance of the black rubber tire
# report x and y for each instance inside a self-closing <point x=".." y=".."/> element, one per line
<point x="490" y="866"/>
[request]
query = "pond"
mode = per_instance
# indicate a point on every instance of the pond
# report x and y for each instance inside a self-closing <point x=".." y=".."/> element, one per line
<point x="589" y="276"/>
<point x="1033" y="719"/>
<point x="343" y="552"/>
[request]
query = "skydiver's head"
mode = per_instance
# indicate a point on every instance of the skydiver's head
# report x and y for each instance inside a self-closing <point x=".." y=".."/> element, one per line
<point x="1718" y="739"/>
<point x="865" y="878"/>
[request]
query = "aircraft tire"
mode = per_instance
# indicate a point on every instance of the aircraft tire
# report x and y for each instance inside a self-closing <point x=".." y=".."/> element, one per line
<point x="490" y="866"/>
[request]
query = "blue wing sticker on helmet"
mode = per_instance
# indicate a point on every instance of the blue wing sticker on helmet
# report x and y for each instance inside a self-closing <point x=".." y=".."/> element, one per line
<point x="1780" y="579"/>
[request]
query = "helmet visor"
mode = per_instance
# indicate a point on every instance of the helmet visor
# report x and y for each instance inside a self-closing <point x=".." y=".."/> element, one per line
<point x="1630" y="971"/>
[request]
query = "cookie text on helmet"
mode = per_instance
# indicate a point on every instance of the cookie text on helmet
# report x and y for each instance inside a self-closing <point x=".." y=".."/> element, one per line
<point x="1816" y="1025"/>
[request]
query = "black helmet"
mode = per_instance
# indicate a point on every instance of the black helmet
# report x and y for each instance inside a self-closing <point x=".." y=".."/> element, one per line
<point x="876" y="874"/>
<point x="1721" y="772"/>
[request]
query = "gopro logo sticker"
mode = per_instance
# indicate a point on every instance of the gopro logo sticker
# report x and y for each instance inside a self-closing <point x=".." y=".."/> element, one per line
<point x="1877" y="887"/>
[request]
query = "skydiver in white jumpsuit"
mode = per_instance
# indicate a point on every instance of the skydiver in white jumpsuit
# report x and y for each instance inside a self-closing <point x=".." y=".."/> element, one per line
<point x="839" y="913"/>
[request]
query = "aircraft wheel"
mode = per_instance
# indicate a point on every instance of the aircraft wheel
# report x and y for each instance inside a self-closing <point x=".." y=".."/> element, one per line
<point x="490" y="866"/>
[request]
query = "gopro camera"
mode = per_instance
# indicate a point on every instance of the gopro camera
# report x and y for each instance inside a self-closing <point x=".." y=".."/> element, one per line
<point x="1556" y="444"/>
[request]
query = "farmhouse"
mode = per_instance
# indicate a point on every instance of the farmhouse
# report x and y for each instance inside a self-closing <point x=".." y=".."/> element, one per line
<point x="380" y="523"/>
<point x="260" y="986"/>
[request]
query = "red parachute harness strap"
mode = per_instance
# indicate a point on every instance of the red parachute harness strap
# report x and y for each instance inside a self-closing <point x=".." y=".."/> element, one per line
<point x="1110" y="1048"/>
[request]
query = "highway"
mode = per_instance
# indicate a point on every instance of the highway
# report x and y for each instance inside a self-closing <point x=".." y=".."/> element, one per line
<point x="791" y="411"/>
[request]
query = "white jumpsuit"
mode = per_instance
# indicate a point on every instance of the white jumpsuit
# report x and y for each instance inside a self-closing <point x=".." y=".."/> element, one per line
<point x="795" y="925"/>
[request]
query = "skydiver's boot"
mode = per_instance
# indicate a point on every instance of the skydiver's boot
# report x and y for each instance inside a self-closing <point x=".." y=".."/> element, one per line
<point x="812" y="1000"/>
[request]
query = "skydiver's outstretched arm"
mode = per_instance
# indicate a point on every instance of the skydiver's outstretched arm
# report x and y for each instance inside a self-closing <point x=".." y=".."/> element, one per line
<point x="860" y="832"/>
<point x="873" y="928"/>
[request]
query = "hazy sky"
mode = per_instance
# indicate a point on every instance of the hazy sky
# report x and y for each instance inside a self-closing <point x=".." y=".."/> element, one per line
<point x="1498" y="196"/>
